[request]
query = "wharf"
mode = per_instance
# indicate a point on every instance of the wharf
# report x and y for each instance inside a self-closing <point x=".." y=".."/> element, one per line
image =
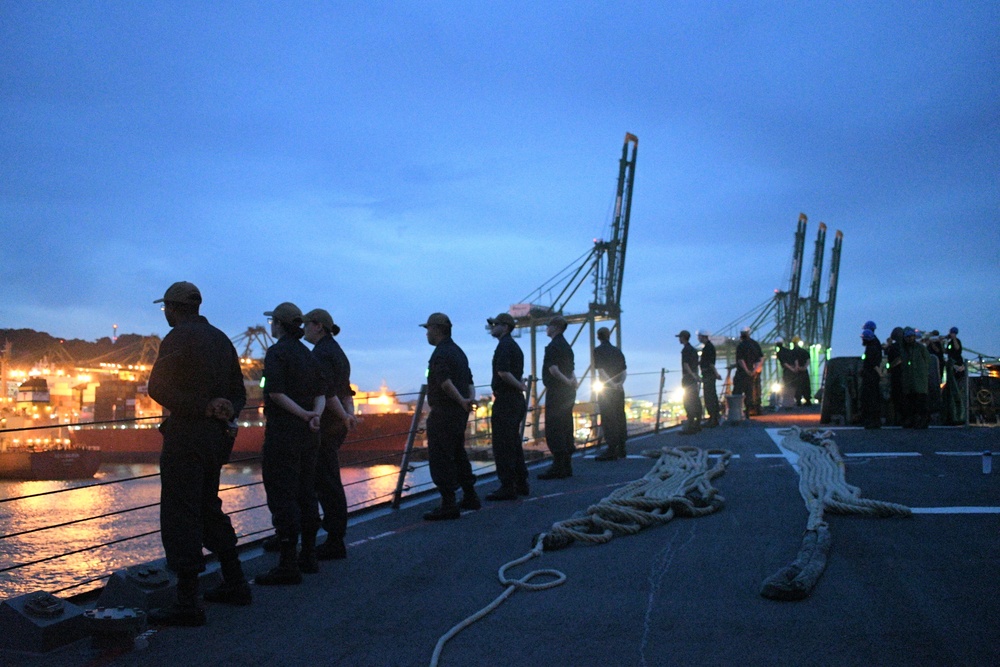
<point x="896" y="591"/>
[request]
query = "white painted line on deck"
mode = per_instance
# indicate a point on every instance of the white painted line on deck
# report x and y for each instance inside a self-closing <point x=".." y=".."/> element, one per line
<point x="976" y="453"/>
<point x="955" y="510"/>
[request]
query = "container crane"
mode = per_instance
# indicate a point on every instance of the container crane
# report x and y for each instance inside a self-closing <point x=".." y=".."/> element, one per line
<point x="787" y="314"/>
<point x="603" y="267"/>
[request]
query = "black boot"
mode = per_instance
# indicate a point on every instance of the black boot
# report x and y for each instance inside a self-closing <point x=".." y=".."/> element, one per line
<point x="272" y="544"/>
<point x="503" y="493"/>
<point x="234" y="588"/>
<point x="286" y="572"/>
<point x="186" y="612"/>
<point x="609" y="454"/>
<point x="447" y="510"/>
<point x="554" y="471"/>
<point x="470" y="499"/>
<point x="562" y="467"/>
<point x="332" y="549"/>
<point x="522" y="487"/>
<point x="308" y="562"/>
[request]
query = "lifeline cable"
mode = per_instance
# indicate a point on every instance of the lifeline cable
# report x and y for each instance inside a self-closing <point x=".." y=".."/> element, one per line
<point x="679" y="484"/>
<point x="823" y="486"/>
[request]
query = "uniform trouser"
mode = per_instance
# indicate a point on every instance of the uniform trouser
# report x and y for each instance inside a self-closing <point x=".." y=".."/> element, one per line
<point x="329" y="486"/>
<point x="692" y="401"/>
<point x="711" y="397"/>
<point x="900" y="408"/>
<point x="743" y="384"/>
<point x="191" y="516"/>
<point x="508" y="451"/>
<point x="955" y="399"/>
<point x="449" y="463"/>
<point x="613" y="422"/>
<point x="918" y="410"/>
<point x="559" y="422"/>
<point x="288" y="468"/>
<point x="871" y="399"/>
<point x="803" y="389"/>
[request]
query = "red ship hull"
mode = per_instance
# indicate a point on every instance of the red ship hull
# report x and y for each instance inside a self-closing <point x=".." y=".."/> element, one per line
<point x="71" y="463"/>
<point x="378" y="439"/>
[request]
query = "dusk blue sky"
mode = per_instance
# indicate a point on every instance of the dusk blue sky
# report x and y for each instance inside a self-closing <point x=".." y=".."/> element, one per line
<point x="385" y="160"/>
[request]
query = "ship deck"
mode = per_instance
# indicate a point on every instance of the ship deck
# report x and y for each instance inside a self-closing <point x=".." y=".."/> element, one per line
<point x="896" y="591"/>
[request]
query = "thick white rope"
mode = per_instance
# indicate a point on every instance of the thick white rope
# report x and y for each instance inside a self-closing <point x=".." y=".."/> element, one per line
<point x="823" y="486"/>
<point x="678" y="483"/>
<point x="822" y="481"/>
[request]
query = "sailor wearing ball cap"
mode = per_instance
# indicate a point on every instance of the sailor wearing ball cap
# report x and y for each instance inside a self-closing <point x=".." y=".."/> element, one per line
<point x="709" y="375"/>
<point x="509" y="409"/>
<point x="294" y="399"/>
<point x="451" y="396"/>
<point x="558" y="376"/>
<point x="197" y="378"/>
<point x="689" y="381"/>
<point x="337" y="420"/>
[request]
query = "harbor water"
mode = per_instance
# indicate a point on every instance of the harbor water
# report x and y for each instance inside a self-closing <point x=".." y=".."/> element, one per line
<point x="99" y="527"/>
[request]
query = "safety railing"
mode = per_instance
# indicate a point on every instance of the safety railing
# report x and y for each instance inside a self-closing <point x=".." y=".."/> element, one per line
<point x="54" y="540"/>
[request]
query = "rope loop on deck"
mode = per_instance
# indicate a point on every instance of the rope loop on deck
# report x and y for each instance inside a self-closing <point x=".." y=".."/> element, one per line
<point x="679" y="484"/>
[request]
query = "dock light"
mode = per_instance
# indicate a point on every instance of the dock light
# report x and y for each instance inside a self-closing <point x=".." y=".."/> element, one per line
<point x="776" y="388"/>
<point x="677" y="396"/>
<point x="598" y="386"/>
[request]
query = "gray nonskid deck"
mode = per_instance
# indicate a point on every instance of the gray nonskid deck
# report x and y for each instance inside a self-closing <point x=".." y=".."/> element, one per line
<point x="910" y="591"/>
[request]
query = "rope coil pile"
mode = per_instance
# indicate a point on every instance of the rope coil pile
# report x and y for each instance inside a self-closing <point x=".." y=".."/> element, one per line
<point x="823" y="486"/>
<point x="679" y="484"/>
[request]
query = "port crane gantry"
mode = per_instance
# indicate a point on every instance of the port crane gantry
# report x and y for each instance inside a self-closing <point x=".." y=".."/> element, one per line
<point x="602" y="267"/>
<point x="788" y="314"/>
<point x="255" y="337"/>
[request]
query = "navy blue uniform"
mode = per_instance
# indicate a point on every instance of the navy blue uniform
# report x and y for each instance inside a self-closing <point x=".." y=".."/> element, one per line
<point x="196" y="363"/>
<point x="750" y="353"/>
<point x="692" y="397"/>
<point x="288" y="464"/>
<point x="708" y="376"/>
<point x="871" y="394"/>
<point x="559" y="398"/>
<point x="509" y="408"/>
<point x="336" y="370"/>
<point x="449" y="463"/>
<point x="611" y="400"/>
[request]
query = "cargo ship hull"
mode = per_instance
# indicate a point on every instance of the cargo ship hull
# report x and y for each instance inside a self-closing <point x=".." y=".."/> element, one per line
<point x="378" y="439"/>
<point x="71" y="463"/>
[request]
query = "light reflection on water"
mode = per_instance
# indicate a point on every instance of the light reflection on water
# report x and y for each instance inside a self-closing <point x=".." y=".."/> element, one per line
<point x="364" y="487"/>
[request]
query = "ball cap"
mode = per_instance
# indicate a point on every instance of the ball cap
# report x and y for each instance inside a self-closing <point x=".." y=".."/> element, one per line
<point x="502" y="318"/>
<point x="704" y="332"/>
<point x="285" y="312"/>
<point x="909" y="331"/>
<point x="437" y="320"/>
<point x="869" y="325"/>
<point x="181" y="292"/>
<point x="683" y="334"/>
<point x="780" y="341"/>
<point x="867" y="334"/>
<point x="953" y="330"/>
<point x="323" y="318"/>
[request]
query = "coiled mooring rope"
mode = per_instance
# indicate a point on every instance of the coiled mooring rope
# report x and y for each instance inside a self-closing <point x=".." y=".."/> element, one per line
<point x="823" y="486"/>
<point x="679" y="484"/>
